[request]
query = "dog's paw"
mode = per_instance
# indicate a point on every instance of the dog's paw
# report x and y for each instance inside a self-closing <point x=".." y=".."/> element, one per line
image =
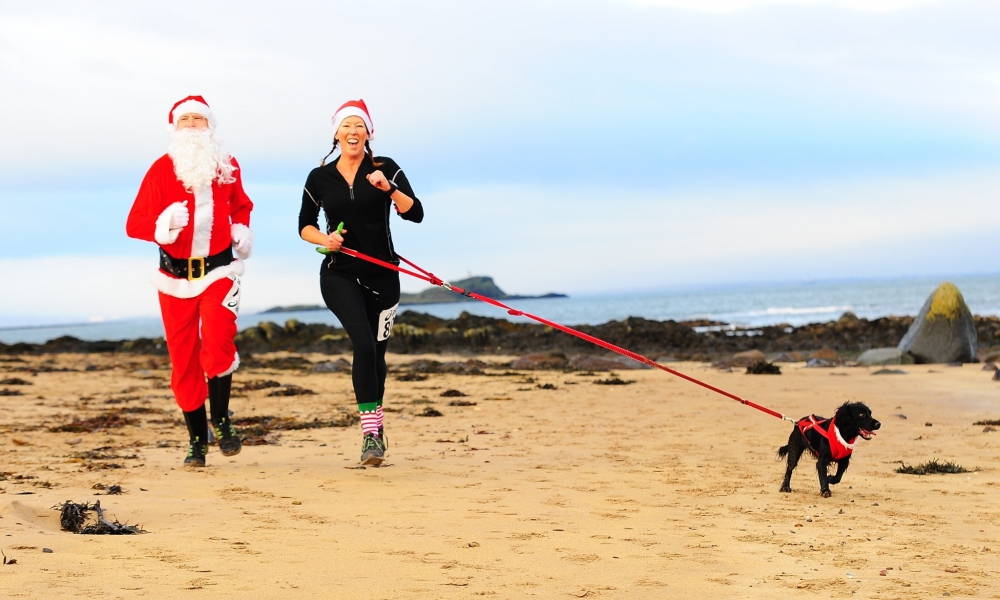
<point x="785" y="489"/>
<point x="825" y="493"/>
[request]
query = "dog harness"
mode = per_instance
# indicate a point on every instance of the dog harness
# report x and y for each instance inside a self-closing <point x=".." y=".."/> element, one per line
<point x="839" y="447"/>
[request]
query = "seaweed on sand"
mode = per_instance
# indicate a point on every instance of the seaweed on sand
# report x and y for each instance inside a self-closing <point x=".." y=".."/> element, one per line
<point x="257" y="384"/>
<point x="290" y="389"/>
<point x="932" y="467"/>
<point x="613" y="379"/>
<point x="108" y="420"/>
<point x="89" y="519"/>
<point x="762" y="367"/>
<point x="254" y="430"/>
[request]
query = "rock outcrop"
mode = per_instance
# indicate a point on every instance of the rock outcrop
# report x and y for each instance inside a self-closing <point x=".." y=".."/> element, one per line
<point x="944" y="330"/>
<point x="884" y="356"/>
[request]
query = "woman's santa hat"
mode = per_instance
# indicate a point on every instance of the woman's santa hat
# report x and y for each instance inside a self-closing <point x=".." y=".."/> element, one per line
<point x="353" y="108"/>
<point x="191" y="104"/>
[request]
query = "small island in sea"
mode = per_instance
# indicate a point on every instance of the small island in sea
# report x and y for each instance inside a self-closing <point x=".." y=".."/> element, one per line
<point x="479" y="284"/>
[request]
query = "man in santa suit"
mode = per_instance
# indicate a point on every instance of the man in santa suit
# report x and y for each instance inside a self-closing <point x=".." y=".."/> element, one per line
<point x="192" y="204"/>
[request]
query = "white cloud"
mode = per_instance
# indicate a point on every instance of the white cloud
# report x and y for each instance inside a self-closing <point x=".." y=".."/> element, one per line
<point x="729" y="6"/>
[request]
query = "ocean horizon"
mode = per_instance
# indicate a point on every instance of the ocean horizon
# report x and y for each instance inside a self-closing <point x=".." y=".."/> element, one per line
<point x="749" y="305"/>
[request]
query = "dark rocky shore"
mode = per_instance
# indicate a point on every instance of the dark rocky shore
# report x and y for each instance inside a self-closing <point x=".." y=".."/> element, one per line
<point x="474" y="335"/>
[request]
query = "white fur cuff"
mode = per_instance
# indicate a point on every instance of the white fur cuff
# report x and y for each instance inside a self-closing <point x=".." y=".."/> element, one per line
<point x="163" y="235"/>
<point x="242" y="240"/>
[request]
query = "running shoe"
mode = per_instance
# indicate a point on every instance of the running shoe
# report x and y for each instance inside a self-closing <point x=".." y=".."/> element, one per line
<point x="385" y="440"/>
<point x="196" y="453"/>
<point x="372" y="450"/>
<point x="229" y="441"/>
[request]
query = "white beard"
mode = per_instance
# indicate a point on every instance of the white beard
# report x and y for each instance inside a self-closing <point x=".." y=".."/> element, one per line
<point x="199" y="158"/>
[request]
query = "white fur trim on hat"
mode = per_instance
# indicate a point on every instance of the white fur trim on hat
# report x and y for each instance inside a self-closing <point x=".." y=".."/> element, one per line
<point x="192" y="106"/>
<point x="353" y="111"/>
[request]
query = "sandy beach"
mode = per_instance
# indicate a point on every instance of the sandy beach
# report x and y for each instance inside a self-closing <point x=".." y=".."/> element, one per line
<point x="656" y="489"/>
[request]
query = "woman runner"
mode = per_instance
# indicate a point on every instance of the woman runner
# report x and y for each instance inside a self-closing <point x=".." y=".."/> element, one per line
<point x="357" y="189"/>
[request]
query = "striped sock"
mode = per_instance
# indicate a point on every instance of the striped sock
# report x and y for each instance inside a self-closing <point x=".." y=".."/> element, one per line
<point x="379" y="416"/>
<point x="369" y="417"/>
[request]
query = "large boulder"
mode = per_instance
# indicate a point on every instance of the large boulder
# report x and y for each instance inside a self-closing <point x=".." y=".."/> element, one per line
<point x="884" y="356"/>
<point x="943" y="331"/>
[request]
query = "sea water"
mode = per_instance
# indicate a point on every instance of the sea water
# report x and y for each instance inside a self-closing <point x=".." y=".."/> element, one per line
<point x="745" y="305"/>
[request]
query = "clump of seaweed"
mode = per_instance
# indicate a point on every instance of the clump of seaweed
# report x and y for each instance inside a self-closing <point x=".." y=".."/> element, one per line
<point x="14" y="381"/>
<point x="430" y="411"/>
<point x="102" y="453"/>
<point x="108" y="420"/>
<point x="109" y="490"/>
<point x="452" y="394"/>
<point x="258" y="384"/>
<point x="89" y="519"/>
<point x="290" y="389"/>
<point x="932" y="467"/>
<point x="10" y="392"/>
<point x="762" y="367"/>
<point x="613" y="379"/>
<point x="993" y="422"/>
<point x="286" y="363"/>
<point x="254" y="430"/>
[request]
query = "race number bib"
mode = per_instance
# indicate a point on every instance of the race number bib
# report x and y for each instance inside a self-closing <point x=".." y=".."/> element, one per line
<point x="385" y="319"/>
<point x="232" y="299"/>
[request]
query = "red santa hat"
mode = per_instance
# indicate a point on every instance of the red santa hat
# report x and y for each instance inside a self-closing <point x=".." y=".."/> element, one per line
<point x="191" y="104"/>
<point x="353" y="108"/>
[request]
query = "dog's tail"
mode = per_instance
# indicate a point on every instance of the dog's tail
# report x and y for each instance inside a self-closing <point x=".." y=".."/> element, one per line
<point x="783" y="451"/>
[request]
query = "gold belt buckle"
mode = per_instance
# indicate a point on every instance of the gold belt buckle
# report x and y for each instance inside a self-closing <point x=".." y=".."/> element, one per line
<point x="191" y="262"/>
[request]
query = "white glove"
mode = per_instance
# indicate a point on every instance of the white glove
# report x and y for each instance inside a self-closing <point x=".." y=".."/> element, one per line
<point x="170" y="222"/>
<point x="180" y="216"/>
<point x="242" y="240"/>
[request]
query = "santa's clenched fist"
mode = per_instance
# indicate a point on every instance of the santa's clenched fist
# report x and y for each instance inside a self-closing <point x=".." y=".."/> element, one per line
<point x="242" y="240"/>
<point x="180" y="216"/>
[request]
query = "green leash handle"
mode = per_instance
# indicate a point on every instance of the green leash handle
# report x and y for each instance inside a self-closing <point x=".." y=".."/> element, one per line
<point x="323" y="250"/>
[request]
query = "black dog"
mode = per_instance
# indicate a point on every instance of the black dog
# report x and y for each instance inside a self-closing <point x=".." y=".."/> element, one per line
<point x="829" y="440"/>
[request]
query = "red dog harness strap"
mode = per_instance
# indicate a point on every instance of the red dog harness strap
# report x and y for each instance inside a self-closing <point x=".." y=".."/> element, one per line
<point x="839" y="447"/>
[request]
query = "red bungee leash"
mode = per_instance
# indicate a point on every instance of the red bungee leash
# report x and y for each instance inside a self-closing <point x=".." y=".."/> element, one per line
<point x="435" y="280"/>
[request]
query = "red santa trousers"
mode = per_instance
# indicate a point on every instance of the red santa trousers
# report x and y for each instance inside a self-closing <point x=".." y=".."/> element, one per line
<point x="200" y="334"/>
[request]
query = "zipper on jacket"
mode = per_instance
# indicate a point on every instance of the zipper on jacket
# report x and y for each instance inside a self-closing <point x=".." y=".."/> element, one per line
<point x="351" y="187"/>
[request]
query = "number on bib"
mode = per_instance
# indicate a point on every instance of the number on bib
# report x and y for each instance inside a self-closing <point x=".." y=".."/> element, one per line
<point x="385" y="319"/>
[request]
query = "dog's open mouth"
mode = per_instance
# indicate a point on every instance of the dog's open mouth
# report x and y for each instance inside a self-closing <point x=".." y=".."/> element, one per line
<point x="866" y="434"/>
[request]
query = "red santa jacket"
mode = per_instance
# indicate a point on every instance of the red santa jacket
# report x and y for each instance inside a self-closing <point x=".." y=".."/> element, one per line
<point x="827" y="428"/>
<point x="216" y="213"/>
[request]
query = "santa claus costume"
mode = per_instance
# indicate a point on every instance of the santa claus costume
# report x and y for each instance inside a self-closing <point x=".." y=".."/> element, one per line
<point x="192" y="205"/>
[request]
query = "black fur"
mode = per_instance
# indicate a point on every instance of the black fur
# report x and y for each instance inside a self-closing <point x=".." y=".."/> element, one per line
<point x="851" y="418"/>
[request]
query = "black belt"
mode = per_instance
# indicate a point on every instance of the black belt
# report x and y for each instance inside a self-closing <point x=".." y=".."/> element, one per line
<point x="196" y="267"/>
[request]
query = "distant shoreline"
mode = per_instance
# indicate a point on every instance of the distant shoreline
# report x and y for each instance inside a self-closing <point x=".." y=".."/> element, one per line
<point x="403" y="302"/>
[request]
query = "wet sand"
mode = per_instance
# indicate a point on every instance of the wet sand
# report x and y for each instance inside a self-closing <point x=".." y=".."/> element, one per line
<point x="657" y="489"/>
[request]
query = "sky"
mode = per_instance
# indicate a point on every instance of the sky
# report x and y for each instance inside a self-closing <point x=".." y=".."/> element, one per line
<point x="585" y="147"/>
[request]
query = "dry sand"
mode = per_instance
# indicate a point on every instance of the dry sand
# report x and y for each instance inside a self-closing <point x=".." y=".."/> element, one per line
<point x="657" y="489"/>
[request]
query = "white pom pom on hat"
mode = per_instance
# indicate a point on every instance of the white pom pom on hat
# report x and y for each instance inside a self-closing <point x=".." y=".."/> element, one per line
<point x="354" y="108"/>
<point x="191" y="104"/>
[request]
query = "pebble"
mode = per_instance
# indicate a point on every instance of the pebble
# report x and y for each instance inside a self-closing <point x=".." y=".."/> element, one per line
<point x="296" y="502"/>
<point x="47" y="550"/>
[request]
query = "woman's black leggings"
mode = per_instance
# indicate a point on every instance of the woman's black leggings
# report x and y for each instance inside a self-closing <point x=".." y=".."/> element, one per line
<point x="366" y="307"/>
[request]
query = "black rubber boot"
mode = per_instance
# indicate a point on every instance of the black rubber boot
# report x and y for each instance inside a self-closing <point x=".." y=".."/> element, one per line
<point x="196" y="453"/>
<point x="197" y="424"/>
<point x="225" y="434"/>
<point x="218" y="397"/>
